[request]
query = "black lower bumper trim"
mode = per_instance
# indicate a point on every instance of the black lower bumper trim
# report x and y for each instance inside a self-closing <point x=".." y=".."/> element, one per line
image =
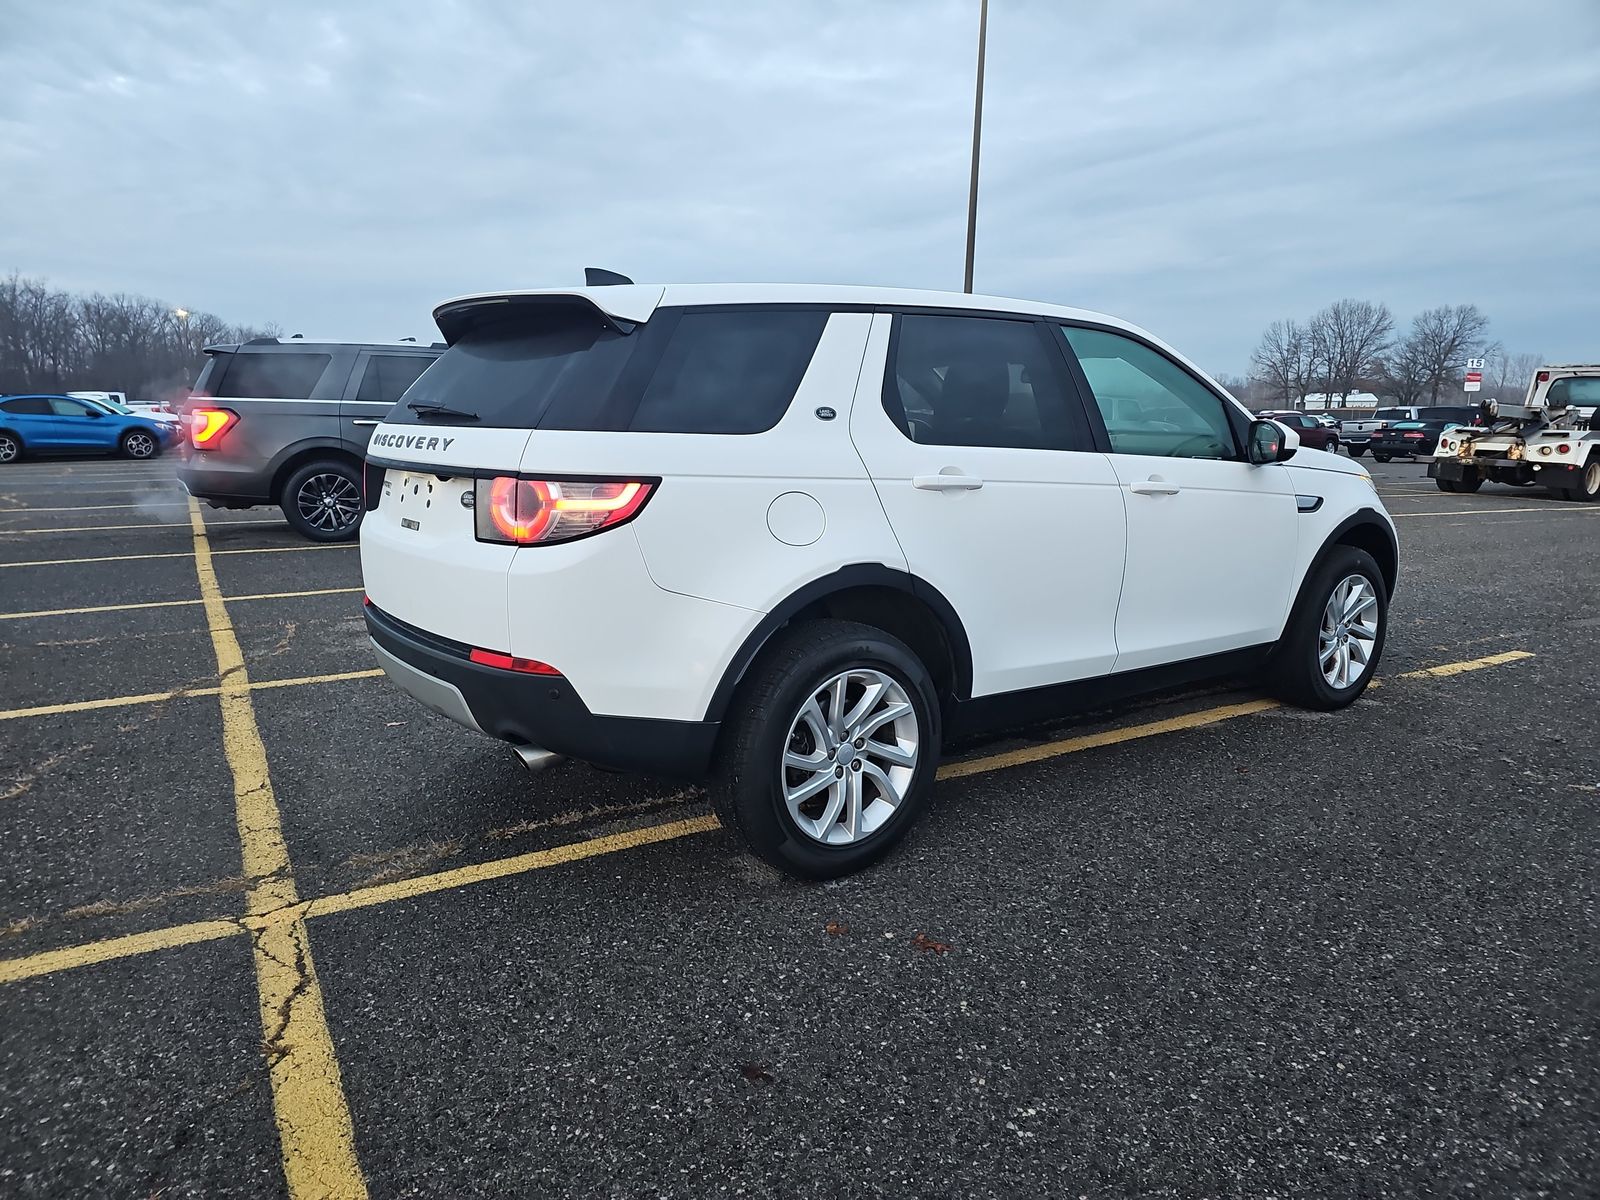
<point x="545" y="711"/>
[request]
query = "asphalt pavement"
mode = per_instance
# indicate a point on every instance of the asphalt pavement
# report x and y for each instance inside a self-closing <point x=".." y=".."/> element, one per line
<point x="1196" y="946"/>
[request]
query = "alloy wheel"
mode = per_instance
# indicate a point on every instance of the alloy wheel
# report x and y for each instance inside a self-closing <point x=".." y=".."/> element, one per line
<point x="850" y="757"/>
<point x="8" y="450"/>
<point x="329" y="502"/>
<point x="140" y="445"/>
<point x="1348" y="636"/>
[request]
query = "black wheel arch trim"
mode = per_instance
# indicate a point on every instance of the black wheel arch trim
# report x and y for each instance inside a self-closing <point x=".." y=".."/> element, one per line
<point x="1361" y="518"/>
<point x="843" y="580"/>
<point x="284" y="463"/>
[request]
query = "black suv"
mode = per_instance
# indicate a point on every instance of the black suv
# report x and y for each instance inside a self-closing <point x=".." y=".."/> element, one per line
<point x="284" y="421"/>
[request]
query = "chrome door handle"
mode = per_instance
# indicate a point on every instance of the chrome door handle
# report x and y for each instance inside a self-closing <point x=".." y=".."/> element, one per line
<point x="360" y="421"/>
<point x="1154" y="487"/>
<point x="946" y="483"/>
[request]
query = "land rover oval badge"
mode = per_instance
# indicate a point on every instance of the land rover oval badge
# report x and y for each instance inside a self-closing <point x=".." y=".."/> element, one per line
<point x="826" y="414"/>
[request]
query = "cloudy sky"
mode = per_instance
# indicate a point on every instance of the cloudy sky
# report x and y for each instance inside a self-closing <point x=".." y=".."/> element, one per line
<point x="1198" y="168"/>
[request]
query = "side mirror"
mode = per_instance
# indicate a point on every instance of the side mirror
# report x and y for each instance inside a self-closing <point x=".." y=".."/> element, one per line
<point x="1271" y="442"/>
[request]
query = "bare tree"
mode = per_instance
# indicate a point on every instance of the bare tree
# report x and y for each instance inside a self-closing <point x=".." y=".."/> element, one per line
<point x="1404" y="372"/>
<point x="1445" y="338"/>
<point x="1276" y="360"/>
<point x="1352" y="336"/>
<point x="1508" y="374"/>
<point x="52" y="340"/>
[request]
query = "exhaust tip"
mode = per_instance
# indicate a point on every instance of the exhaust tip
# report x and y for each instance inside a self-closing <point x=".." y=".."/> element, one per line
<point x="535" y="758"/>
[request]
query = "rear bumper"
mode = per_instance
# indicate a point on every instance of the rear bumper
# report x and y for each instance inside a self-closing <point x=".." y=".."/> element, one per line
<point x="209" y="478"/>
<point x="532" y="710"/>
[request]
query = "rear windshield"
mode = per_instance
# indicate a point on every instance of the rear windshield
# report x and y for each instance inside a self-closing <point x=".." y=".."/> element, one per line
<point x="566" y="367"/>
<point x="1392" y="414"/>
<point x="271" y="374"/>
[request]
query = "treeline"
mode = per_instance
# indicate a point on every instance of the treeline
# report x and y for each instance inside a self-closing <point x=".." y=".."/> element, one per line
<point x="1354" y="345"/>
<point x="55" y="341"/>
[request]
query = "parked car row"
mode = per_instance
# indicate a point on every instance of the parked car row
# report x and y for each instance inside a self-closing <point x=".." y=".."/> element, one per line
<point x="62" y="424"/>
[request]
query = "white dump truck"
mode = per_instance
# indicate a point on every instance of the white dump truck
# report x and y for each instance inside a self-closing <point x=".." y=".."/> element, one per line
<point x="1551" y="439"/>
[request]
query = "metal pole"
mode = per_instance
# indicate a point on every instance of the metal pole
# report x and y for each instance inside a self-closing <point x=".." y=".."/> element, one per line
<point x="977" y="132"/>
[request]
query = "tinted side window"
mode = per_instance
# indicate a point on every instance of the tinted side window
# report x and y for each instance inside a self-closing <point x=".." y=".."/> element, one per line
<point x="28" y="406"/>
<point x="1150" y="404"/>
<point x="729" y="372"/>
<point x="389" y="375"/>
<point x="1447" y="413"/>
<point x="280" y="376"/>
<point x="68" y="408"/>
<point x="981" y="381"/>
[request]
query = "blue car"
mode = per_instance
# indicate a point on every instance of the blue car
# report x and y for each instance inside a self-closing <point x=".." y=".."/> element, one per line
<point x="48" y="424"/>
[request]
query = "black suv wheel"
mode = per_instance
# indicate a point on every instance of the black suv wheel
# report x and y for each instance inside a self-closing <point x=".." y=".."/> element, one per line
<point x="322" y="500"/>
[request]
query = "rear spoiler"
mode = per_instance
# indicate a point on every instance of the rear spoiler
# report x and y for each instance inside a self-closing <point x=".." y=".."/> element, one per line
<point x="623" y="306"/>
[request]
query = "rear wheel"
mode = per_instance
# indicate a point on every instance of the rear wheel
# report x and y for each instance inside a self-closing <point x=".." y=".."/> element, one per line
<point x="136" y="443"/>
<point x="1446" y="485"/>
<point x="10" y="448"/>
<point x="1587" y="489"/>
<point x="1336" y="633"/>
<point x="1357" y="451"/>
<point x="833" y="754"/>
<point x="322" y="501"/>
<point x="1470" y="482"/>
<point x="1381" y="457"/>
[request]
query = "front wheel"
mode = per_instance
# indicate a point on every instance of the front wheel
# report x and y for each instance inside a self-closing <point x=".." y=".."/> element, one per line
<point x="136" y="443"/>
<point x="1336" y="633"/>
<point x="322" y="501"/>
<point x="834" y="752"/>
<point x="1333" y="446"/>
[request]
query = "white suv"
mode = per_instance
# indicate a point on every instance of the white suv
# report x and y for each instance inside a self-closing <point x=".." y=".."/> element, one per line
<point x="794" y="537"/>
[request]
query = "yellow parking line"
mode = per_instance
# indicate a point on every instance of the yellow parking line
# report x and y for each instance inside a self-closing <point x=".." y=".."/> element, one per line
<point x="1445" y="670"/>
<point x="316" y="1138"/>
<point x="14" y="969"/>
<point x="1109" y="737"/>
<point x="100" y="608"/>
<point x="460" y="877"/>
<point x="261" y="685"/>
<point x="67" y="562"/>
<point x="93" y="952"/>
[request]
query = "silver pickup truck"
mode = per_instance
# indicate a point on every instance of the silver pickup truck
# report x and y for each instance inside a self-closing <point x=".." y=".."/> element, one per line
<point x="284" y="421"/>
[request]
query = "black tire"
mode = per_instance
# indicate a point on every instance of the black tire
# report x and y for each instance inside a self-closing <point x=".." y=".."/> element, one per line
<point x="1446" y="485"/>
<point x="138" y="444"/>
<point x="322" y="500"/>
<point x="1381" y="457"/>
<point x="747" y="786"/>
<point x="1587" y="489"/>
<point x="10" y="448"/>
<point x="1469" y="483"/>
<point x="1333" y="446"/>
<point x="1295" y="671"/>
<point x="1357" y="451"/>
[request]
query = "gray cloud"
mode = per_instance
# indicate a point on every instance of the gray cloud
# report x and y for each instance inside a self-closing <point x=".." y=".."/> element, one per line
<point x="340" y="169"/>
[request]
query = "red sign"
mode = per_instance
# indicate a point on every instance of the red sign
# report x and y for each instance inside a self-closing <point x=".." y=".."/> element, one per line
<point x="1474" y="376"/>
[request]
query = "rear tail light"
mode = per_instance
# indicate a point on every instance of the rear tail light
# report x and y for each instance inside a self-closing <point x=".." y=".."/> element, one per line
<point x="538" y="512"/>
<point x="1543" y="377"/>
<point x="208" y="425"/>
<point x="1564" y="448"/>
<point x="509" y="662"/>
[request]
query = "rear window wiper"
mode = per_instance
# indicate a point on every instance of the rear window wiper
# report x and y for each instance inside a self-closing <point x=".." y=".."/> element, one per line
<point x="434" y="409"/>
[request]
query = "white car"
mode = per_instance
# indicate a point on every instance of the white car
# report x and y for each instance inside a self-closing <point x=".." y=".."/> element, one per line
<point x="793" y="538"/>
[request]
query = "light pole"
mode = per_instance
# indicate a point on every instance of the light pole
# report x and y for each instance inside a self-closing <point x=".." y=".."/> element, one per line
<point x="977" y="133"/>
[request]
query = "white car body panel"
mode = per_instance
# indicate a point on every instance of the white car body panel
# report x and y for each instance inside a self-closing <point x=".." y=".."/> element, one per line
<point x="1008" y="556"/>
